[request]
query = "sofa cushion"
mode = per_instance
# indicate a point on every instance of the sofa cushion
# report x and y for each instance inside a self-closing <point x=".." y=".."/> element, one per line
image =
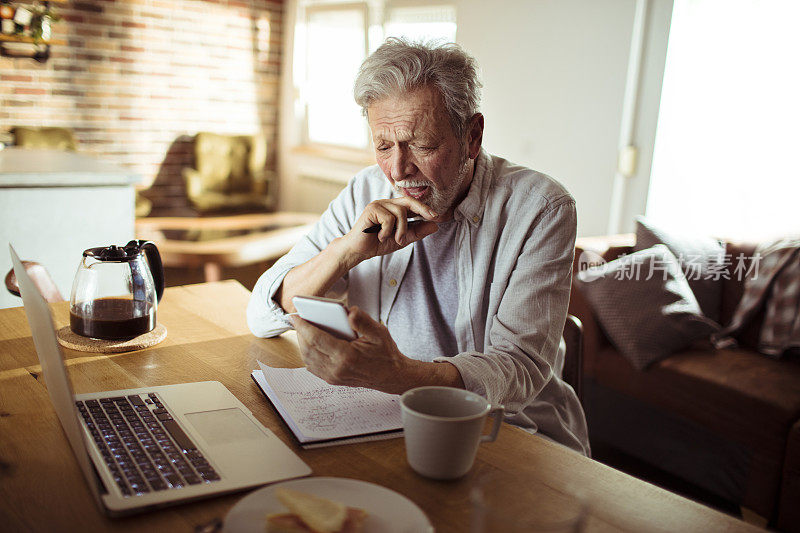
<point x="732" y="291"/>
<point x="645" y="305"/>
<point x="702" y="260"/>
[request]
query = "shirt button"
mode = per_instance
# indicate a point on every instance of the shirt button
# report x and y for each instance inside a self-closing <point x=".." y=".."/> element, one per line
<point x="476" y="218"/>
<point x="392" y="282"/>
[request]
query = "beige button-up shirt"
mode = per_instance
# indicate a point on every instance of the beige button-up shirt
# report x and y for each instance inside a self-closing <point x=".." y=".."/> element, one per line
<point x="515" y="245"/>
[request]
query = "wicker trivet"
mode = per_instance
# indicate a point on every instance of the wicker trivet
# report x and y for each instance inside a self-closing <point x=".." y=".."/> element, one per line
<point x="73" y="341"/>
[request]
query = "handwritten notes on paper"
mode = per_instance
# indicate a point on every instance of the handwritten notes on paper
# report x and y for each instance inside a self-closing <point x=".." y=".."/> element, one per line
<point x="316" y="410"/>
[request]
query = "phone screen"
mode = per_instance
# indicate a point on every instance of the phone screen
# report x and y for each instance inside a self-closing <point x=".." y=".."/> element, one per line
<point x="329" y="315"/>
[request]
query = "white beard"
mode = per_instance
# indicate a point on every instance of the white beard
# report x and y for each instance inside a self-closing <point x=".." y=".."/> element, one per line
<point x="439" y="200"/>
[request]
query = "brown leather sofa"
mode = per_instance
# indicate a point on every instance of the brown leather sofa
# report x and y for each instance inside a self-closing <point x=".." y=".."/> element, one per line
<point x="727" y="421"/>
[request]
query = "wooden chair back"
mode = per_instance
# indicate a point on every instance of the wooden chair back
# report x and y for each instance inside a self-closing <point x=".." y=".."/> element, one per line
<point x="573" y="359"/>
<point x="41" y="278"/>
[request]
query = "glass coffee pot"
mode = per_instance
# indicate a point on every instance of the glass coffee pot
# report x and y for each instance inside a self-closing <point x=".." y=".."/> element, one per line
<point x="116" y="291"/>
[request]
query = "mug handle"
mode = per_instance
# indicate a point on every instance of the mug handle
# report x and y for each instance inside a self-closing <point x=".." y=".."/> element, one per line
<point x="497" y="412"/>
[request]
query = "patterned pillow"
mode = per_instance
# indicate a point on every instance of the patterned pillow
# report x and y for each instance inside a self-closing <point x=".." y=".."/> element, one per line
<point x="702" y="260"/>
<point x="645" y="305"/>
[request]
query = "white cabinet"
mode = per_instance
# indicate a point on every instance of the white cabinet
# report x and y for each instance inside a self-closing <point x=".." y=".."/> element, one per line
<point x="54" y="205"/>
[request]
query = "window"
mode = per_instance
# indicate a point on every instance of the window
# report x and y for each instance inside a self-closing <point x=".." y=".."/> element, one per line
<point x="331" y="41"/>
<point x="422" y="23"/>
<point x="336" y="46"/>
<point x="727" y="137"/>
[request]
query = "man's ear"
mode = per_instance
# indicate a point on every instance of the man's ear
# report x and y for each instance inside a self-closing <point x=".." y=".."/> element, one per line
<point x="475" y="135"/>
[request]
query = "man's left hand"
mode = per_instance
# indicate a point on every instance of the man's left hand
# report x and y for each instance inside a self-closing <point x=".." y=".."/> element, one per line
<point x="372" y="360"/>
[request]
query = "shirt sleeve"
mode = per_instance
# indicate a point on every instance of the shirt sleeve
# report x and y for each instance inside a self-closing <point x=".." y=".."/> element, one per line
<point x="524" y="334"/>
<point x="265" y="317"/>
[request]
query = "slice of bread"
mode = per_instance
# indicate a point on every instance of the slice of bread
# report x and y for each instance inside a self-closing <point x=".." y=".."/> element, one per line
<point x="320" y="514"/>
<point x="291" y="523"/>
<point x="355" y="520"/>
<point x="286" y="523"/>
<point x="312" y="514"/>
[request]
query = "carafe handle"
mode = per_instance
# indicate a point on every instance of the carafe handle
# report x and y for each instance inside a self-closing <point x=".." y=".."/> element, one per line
<point x="156" y="267"/>
<point x="154" y="261"/>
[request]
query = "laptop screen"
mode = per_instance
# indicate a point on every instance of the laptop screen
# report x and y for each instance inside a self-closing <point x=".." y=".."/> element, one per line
<point x="52" y="361"/>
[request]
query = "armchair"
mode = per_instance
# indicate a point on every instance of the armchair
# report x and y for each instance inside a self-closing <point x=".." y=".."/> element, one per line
<point x="230" y="173"/>
<point x="54" y="138"/>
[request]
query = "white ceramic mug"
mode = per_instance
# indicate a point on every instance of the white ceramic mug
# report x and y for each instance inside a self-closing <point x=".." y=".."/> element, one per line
<point x="443" y="427"/>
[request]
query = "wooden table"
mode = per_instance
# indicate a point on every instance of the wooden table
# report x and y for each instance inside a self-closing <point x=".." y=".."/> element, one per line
<point x="42" y="488"/>
<point x="224" y="241"/>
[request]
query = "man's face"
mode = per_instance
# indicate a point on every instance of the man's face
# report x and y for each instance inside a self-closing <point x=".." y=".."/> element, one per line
<point x="417" y="150"/>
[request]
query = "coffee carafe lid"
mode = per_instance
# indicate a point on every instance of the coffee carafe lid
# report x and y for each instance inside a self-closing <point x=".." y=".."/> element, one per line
<point x="112" y="253"/>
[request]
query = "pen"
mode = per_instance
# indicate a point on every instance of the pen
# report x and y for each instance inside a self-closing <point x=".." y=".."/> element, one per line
<point x="412" y="217"/>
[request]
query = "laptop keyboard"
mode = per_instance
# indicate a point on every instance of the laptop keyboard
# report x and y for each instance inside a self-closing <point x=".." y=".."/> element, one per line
<point x="145" y="448"/>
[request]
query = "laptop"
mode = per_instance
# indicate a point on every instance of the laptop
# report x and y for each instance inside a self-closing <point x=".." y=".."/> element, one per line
<point x="140" y="449"/>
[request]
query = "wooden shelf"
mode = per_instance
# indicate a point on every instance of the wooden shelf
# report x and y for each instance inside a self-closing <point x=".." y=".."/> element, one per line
<point x="29" y="40"/>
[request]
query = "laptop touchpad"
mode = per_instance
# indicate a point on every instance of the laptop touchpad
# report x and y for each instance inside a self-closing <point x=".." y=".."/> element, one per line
<point x="224" y="426"/>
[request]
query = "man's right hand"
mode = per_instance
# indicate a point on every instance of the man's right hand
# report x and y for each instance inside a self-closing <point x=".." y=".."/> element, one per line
<point x="395" y="232"/>
<point x="317" y="275"/>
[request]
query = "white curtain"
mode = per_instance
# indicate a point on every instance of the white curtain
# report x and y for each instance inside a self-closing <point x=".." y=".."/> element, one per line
<point x="727" y="151"/>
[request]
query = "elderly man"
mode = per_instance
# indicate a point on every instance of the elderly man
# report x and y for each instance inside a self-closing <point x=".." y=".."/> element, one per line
<point x="475" y="295"/>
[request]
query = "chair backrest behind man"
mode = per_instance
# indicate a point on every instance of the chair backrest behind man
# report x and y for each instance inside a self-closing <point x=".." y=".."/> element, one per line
<point x="573" y="358"/>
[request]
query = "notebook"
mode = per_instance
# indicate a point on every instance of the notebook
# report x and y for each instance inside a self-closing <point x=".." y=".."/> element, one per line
<point x="145" y="448"/>
<point x="320" y="414"/>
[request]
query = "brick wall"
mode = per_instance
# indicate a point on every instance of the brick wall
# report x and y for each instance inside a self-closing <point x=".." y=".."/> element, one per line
<point x="138" y="78"/>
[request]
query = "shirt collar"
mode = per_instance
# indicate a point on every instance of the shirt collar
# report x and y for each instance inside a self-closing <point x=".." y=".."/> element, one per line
<point x="471" y="208"/>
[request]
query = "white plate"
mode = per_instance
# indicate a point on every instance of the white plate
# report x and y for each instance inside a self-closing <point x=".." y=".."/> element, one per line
<point x="389" y="511"/>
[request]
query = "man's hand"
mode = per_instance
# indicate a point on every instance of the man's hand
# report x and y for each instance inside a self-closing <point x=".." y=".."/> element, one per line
<point x="317" y="275"/>
<point x="372" y="360"/>
<point x="395" y="232"/>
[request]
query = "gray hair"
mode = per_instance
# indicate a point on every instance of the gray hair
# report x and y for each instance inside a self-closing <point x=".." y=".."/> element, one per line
<point x="399" y="66"/>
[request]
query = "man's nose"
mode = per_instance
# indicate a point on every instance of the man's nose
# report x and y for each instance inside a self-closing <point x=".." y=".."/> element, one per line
<point x="402" y="166"/>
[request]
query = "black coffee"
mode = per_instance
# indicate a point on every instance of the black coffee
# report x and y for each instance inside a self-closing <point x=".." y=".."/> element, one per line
<point x="112" y="318"/>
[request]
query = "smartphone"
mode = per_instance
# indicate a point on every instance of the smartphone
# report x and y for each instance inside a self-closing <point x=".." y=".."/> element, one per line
<point x="325" y="313"/>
